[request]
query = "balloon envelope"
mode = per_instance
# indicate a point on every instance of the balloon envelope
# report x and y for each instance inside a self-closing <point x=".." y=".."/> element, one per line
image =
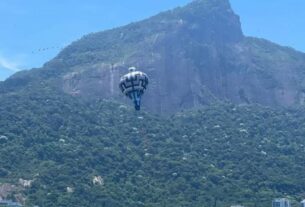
<point x="133" y="85"/>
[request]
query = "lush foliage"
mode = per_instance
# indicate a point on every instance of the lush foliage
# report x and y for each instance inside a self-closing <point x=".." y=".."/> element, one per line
<point x="217" y="155"/>
<point x="52" y="145"/>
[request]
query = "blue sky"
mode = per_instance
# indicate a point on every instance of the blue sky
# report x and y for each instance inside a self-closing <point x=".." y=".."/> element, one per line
<point x="34" y="31"/>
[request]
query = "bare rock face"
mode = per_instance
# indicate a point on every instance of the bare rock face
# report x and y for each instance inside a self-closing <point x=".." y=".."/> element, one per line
<point x="194" y="55"/>
<point x="175" y="49"/>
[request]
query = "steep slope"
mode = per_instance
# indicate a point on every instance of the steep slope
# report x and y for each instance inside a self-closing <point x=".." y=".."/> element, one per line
<point x="194" y="55"/>
<point x="58" y="151"/>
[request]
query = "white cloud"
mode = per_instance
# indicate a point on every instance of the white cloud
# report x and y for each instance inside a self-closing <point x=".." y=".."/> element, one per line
<point x="8" y="64"/>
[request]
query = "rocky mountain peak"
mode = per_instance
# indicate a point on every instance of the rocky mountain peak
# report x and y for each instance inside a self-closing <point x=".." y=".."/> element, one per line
<point x="211" y="21"/>
<point x="194" y="55"/>
<point x="205" y="21"/>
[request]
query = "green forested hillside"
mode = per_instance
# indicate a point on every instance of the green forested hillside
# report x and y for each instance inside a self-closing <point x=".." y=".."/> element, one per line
<point x="214" y="156"/>
<point x="63" y="145"/>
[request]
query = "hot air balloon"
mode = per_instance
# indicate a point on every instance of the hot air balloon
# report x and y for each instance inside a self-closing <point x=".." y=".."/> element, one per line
<point x="133" y="85"/>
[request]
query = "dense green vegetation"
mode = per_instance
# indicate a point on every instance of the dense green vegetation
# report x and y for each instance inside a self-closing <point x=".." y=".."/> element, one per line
<point x="53" y="145"/>
<point x="217" y="155"/>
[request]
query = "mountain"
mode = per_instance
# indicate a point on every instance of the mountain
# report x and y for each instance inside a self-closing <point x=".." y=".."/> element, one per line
<point x="67" y="138"/>
<point x="194" y="55"/>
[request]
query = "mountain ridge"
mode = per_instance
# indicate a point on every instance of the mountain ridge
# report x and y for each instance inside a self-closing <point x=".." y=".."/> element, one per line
<point x="195" y="55"/>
